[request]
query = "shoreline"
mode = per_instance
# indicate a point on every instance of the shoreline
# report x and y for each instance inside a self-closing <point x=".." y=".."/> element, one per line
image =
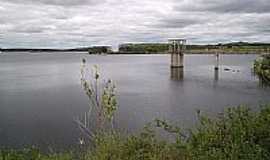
<point x="138" y="53"/>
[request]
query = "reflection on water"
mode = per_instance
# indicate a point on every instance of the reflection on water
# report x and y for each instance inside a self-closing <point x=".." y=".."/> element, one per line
<point x="263" y="82"/>
<point x="216" y="77"/>
<point x="216" y="74"/>
<point x="177" y="73"/>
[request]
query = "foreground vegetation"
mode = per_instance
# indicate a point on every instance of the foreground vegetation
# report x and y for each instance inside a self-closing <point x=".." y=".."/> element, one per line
<point x="237" y="134"/>
<point x="262" y="67"/>
<point x="32" y="154"/>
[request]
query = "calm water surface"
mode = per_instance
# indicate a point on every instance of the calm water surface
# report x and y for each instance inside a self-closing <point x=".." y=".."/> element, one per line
<point x="40" y="93"/>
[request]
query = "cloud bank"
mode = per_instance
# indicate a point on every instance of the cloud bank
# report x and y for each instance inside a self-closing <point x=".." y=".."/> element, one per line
<point x="75" y="23"/>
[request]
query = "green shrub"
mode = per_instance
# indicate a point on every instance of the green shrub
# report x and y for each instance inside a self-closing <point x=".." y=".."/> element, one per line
<point x="262" y="68"/>
<point x="232" y="136"/>
<point x="145" y="146"/>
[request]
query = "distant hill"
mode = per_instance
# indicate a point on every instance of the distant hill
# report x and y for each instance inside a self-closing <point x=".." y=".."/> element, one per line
<point x="44" y="50"/>
<point x="92" y="50"/>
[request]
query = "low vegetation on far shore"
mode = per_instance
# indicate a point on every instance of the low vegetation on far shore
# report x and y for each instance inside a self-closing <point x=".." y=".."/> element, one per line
<point x="225" y="48"/>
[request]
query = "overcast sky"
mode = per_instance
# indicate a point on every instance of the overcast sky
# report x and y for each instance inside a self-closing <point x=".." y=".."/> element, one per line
<point x="74" y="23"/>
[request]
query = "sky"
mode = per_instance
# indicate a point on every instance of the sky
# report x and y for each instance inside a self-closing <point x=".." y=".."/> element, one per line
<point x="80" y="23"/>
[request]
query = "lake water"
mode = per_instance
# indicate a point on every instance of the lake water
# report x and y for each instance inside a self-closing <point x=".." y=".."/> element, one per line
<point x="40" y="93"/>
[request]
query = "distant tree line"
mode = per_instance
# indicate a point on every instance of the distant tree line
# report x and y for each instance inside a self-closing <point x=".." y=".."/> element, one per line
<point x="237" y="47"/>
<point x="99" y="50"/>
<point x="143" y="48"/>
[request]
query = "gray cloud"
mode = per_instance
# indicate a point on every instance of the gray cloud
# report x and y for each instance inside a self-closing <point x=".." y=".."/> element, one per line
<point x="225" y="6"/>
<point x="177" y="23"/>
<point x="29" y="29"/>
<point x="58" y="2"/>
<point x="73" y="23"/>
<point x="181" y="20"/>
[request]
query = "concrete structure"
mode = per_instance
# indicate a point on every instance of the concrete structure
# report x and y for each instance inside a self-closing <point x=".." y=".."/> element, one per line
<point x="176" y="49"/>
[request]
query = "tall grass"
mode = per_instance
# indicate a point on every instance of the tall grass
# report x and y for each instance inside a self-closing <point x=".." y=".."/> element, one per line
<point x="102" y="103"/>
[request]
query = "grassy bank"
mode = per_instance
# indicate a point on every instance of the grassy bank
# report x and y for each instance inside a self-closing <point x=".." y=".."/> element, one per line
<point x="238" y="133"/>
